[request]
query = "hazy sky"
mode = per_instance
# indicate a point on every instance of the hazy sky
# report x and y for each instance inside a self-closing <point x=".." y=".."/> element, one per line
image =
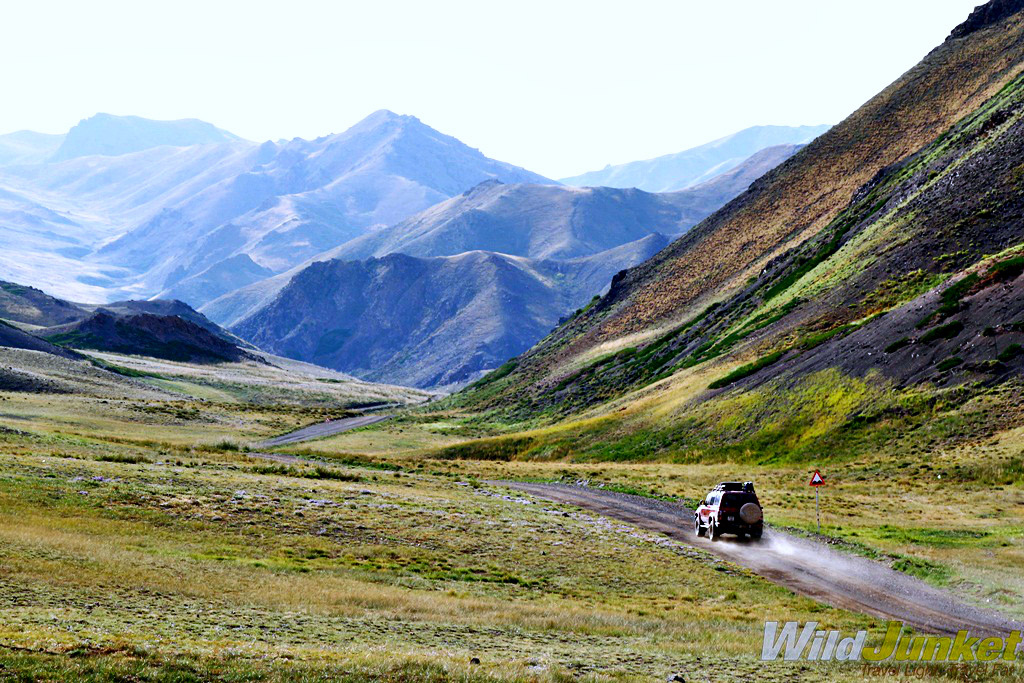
<point x="559" y="87"/>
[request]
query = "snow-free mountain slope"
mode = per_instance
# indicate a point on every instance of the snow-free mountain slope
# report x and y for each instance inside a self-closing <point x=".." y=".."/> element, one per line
<point x="555" y="248"/>
<point x="31" y="306"/>
<point x="145" y="334"/>
<point x="699" y="164"/>
<point x="184" y="201"/>
<point x="229" y="275"/>
<point x="425" y="322"/>
<point x="749" y="258"/>
<point x="537" y="221"/>
<point x="298" y="199"/>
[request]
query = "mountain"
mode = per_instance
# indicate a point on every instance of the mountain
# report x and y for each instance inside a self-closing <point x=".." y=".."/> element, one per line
<point x="223" y="277"/>
<point x="109" y="135"/>
<point x="13" y="338"/>
<point x="168" y="308"/>
<point x="308" y="197"/>
<point x="425" y="322"/>
<point x="869" y="286"/>
<point x="144" y="334"/>
<point x="483" y="276"/>
<point x="54" y="217"/>
<point x="31" y="306"/>
<point x="536" y="221"/>
<point x="27" y="147"/>
<point x="159" y="328"/>
<point x="196" y="221"/>
<point x="693" y="166"/>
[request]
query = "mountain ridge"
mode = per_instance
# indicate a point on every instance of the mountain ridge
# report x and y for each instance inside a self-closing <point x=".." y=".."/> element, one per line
<point x="677" y="171"/>
<point x="556" y="246"/>
<point x="663" y="304"/>
<point x="139" y="223"/>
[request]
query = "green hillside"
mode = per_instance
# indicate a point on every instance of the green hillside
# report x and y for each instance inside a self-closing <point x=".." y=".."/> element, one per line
<point x="922" y="251"/>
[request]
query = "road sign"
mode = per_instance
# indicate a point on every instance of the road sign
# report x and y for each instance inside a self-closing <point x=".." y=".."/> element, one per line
<point x="817" y="481"/>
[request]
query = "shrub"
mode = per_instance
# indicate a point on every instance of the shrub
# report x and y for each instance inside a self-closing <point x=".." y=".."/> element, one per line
<point x="1010" y="352"/>
<point x="318" y="472"/>
<point x="951" y="299"/>
<point x="746" y="370"/>
<point x="501" y="448"/>
<point x="121" y="458"/>
<point x="897" y="345"/>
<point x="1007" y="270"/>
<point x="947" y="331"/>
<point x="818" y="338"/>
<point x="494" y="375"/>
<point x="949" y="363"/>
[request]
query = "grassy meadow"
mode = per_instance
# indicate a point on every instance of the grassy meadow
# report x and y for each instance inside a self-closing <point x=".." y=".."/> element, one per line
<point x="124" y="560"/>
<point x="138" y="542"/>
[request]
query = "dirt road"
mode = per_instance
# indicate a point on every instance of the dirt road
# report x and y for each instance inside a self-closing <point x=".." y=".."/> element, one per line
<point x="802" y="565"/>
<point x="321" y="430"/>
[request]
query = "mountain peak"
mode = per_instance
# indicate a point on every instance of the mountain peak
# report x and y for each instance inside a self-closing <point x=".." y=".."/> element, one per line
<point x="385" y="117"/>
<point x="482" y="187"/>
<point x="986" y="15"/>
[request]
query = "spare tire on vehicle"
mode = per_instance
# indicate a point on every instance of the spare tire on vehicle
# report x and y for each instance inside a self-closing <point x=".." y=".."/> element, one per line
<point x="750" y="513"/>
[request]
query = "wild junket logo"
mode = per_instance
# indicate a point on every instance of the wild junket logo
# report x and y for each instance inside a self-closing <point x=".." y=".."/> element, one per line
<point x="794" y="642"/>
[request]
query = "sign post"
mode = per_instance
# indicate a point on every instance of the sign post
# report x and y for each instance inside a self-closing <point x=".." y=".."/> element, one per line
<point x="817" y="481"/>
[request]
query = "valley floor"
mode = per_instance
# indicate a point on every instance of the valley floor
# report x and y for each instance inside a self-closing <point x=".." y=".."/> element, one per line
<point x="137" y="542"/>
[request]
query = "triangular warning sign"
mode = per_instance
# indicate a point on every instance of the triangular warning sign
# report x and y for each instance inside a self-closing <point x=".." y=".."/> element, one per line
<point x="817" y="479"/>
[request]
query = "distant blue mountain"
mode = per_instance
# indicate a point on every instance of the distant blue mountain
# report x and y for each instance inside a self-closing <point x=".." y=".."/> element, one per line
<point x="455" y="290"/>
<point x="109" y="135"/>
<point x="27" y="147"/>
<point x="699" y="164"/>
<point x="127" y="207"/>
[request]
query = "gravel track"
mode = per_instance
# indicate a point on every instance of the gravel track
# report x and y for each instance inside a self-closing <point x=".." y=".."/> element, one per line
<point x="321" y="430"/>
<point x="805" y="566"/>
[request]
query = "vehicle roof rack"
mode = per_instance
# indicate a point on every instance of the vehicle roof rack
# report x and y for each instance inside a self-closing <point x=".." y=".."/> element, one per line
<point x="747" y="486"/>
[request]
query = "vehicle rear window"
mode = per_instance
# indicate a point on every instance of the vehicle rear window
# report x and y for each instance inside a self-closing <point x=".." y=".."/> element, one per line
<point x="737" y="499"/>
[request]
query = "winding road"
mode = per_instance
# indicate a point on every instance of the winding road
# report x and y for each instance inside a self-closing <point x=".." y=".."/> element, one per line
<point x="804" y="566"/>
<point x="322" y="429"/>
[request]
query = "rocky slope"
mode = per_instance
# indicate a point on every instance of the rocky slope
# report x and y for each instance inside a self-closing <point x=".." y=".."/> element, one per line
<point x="699" y="164"/>
<point x="776" y="264"/>
<point x="159" y="328"/>
<point x="13" y="338"/>
<point x="31" y="306"/>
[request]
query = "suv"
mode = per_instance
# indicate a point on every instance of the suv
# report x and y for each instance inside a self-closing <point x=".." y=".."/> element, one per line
<point x="730" y="508"/>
